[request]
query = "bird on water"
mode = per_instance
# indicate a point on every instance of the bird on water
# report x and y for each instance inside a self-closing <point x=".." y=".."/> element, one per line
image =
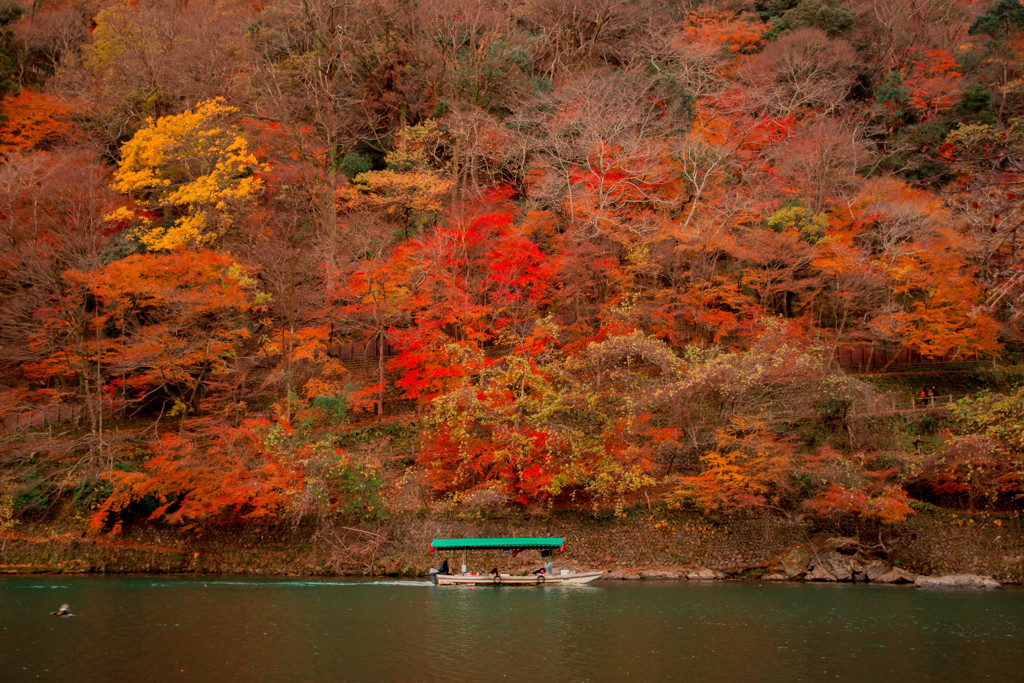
<point x="63" y="611"/>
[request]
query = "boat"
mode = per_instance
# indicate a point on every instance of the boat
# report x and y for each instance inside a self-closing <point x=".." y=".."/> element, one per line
<point x="545" y="577"/>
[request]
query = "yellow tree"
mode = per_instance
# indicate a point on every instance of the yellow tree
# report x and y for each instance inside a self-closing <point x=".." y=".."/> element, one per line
<point x="412" y="189"/>
<point x="193" y="171"/>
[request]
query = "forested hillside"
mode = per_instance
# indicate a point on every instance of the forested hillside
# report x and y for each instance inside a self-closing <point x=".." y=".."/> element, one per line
<point x="316" y="261"/>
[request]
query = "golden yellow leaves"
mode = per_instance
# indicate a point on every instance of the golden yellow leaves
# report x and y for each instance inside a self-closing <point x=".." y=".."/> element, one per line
<point x="807" y="224"/>
<point x="409" y="191"/>
<point x="191" y="168"/>
<point x="412" y="188"/>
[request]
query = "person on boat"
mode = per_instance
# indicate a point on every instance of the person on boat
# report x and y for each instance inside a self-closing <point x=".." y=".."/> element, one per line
<point x="444" y="567"/>
<point x="63" y="611"/>
<point x="539" y="571"/>
<point x="494" y="572"/>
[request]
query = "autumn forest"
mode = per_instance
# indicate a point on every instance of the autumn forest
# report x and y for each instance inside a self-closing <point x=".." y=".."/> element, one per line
<point x="319" y="262"/>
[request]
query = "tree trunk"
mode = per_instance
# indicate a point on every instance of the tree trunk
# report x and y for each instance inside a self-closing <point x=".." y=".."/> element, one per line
<point x="381" y="347"/>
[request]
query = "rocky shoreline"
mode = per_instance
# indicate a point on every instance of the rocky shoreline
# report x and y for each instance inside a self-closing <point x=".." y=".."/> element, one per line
<point x="840" y="562"/>
<point x="876" y="573"/>
<point x="894" y="576"/>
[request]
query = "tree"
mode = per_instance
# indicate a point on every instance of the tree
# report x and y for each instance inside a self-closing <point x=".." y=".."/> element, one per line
<point x="9" y="13"/>
<point x="576" y="33"/>
<point x="1000" y="20"/>
<point x="279" y="241"/>
<point x="987" y="160"/>
<point x="801" y="70"/>
<point x="889" y="32"/>
<point x="781" y="375"/>
<point x="208" y="474"/>
<point x="482" y="60"/>
<point x="474" y="279"/>
<point x="375" y="297"/>
<point x="484" y="152"/>
<point x="530" y="429"/>
<point x="50" y="37"/>
<point x="819" y="162"/>
<point x="777" y="261"/>
<point x="932" y="83"/>
<point x="829" y="16"/>
<point x="411" y="190"/>
<point x="52" y="207"/>
<point x="163" y="328"/>
<point x="931" y="295"/>
<point x="886" y="506"/>
<point x="907" y="278"/>
<point x="306" y="93"/>
<point x="1000" y="56"/>
<point x="341" y="80"/>
<point x="747" y="471"/>
<point x="193" y="170"/>
<point x="153" y="59"/>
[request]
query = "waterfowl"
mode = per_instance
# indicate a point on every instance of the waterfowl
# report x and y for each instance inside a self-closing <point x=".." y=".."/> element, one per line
<point x="63" y="611"/>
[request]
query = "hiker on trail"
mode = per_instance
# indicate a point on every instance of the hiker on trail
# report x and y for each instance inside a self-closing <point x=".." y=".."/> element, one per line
<point x="924" y="395"/>
<point x="931" y="395"/>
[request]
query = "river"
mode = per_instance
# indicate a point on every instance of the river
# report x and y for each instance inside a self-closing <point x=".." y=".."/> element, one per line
<point x="143" y="628"/>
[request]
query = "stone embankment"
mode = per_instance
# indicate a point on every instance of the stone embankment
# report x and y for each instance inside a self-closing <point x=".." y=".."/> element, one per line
<point x="840" y="561"/>
<point x="651" y="546"/>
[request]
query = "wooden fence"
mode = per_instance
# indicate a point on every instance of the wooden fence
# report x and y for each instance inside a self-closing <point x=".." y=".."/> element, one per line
<point x="40" y="417"/>
<point x="353" y="350"/>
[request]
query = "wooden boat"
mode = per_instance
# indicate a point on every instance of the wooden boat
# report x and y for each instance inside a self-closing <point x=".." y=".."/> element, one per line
<point x="544" y="578"/>
<point x="569" y="578"/>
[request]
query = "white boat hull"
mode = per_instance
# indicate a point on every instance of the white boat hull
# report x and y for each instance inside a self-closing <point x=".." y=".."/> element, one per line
<point x="572" y="578"/>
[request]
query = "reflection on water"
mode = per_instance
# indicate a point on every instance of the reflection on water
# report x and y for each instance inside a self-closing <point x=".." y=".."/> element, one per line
<point x="159" y="629"/>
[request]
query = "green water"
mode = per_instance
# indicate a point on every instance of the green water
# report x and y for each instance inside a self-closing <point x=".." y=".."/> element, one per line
<point x="210" y="629"/>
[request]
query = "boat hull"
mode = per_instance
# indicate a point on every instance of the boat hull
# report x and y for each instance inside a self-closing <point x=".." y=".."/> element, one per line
<point x="570" y="579"/>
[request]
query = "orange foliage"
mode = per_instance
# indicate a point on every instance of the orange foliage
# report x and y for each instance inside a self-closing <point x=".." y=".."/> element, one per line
<point x="166" y="324"/>
<point x="740" y="34"/>
<point x="973" y="471"/>
<point x="888" y="506"/>
<point x="932" y="82"/>
<point x="32" y="120"/>
<point x="746" y="471"/>
<point x="895" y="249"/>
<point x="211" y="473"/>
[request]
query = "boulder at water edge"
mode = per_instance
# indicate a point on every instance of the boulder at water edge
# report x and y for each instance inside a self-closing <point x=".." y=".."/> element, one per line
<point x="660" y="575"/>
<point x="795" y="563"/>
<point x="872" y="572"/>
<point x="957" y="581"/>
<point x="896" y="575"/>
<point x="833" y="566"/>
<point x="820" y="573"/>
<point x="705" y="575"/>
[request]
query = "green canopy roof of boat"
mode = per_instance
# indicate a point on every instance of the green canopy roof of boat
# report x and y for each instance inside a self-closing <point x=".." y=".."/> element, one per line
<point x="496" y="543"/>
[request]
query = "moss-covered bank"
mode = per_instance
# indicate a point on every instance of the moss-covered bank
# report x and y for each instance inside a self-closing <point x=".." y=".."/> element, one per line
<point x="933" y="542"/>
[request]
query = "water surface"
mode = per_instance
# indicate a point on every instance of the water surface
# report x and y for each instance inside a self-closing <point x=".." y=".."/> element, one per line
<point x="202" y="629"/>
